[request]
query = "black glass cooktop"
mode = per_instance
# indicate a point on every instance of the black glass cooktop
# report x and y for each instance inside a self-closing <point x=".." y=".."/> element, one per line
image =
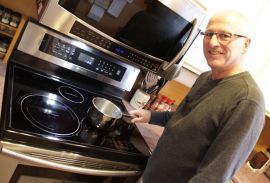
<point x="45" y="106"/>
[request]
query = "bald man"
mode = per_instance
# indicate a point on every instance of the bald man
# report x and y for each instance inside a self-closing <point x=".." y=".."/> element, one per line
<point x="217" y="125"/>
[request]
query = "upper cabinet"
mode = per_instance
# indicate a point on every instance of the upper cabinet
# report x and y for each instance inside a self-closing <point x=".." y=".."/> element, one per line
<point x="13" y="15"/>
<point x="28" y="8"/>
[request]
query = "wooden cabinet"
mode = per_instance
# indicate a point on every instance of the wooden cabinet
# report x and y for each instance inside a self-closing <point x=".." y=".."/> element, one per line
<point x="28" y="8"/>
<point x="10" y="34"/>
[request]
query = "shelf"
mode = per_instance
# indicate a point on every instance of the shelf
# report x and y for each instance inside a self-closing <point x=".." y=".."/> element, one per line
<point x="2" y="55"/>
<point x="14" y="38"/>
<point x="7" y="30"/>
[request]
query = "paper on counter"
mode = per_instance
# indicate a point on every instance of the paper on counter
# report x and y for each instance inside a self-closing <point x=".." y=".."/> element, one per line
<point x="116" y="7"/>
<point x="96" y="13"/>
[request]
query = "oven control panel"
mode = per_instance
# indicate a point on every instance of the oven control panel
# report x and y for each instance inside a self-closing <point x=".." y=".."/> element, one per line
<point x="66" y="51"/>
<point x="87" y="34"/>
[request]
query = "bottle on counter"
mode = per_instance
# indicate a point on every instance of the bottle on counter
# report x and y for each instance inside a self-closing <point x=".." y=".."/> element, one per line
<point x="155" y="103"/>
<point x="162" y="106"/>
<point x="170" y="104"/>
<point x="15" y="19"/>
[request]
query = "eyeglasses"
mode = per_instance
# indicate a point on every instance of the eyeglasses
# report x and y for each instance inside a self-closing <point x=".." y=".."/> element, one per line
<point x="222" y="37"/>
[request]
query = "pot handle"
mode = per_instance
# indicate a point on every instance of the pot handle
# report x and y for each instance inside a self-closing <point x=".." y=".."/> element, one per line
<point x="128" y="115"/>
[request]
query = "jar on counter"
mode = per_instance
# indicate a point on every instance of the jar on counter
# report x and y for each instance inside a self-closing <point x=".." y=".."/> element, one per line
<point x="15" y="19"/>
<point x="2" y="10"/>
<point x="6" y="16"/>
<point x="4" y="46"/>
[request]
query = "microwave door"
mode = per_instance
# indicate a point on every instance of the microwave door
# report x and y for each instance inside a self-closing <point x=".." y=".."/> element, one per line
<point x="181" y="53"/>
<point x="180" y="42"/>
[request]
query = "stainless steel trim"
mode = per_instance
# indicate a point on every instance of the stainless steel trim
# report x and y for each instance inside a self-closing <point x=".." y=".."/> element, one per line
<point x="61" y="160"/>
<point x="33" y="35"/>
<point x="186" y="8"/>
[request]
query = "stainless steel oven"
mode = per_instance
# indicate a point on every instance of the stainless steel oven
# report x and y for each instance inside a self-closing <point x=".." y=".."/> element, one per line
<point x="152" y="35"/>
<point x="51" y="80"/>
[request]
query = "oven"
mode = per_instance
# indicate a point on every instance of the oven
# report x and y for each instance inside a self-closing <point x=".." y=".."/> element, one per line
<point x="50" y="82"/>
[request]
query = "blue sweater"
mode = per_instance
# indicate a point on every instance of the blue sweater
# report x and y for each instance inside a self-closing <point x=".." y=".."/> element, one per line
<point x="211" y="133"/>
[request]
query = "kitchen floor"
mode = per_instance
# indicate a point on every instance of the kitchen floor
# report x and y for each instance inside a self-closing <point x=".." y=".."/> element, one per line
<point x="247" y="174"/>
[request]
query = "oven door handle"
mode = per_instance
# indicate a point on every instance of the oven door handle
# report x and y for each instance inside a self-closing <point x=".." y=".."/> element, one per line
<point x="39" y="157"/>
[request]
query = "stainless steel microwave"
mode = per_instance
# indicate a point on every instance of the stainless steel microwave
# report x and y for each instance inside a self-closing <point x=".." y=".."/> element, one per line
<point x="152" y="35"/>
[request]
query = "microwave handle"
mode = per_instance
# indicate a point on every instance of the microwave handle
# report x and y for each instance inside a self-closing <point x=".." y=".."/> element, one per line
<point x="185" y="47"/>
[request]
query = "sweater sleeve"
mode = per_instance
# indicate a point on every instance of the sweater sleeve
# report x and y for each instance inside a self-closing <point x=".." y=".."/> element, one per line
<point x="232" y="145"/>
<point x="160" y="118"/>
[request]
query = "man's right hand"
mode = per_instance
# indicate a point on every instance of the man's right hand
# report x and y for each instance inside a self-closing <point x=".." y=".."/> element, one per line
<point x="140" y="116"/>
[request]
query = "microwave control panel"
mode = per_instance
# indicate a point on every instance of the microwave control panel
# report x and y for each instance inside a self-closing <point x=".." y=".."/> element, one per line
<point x="87" y="34"/>
<point x="63" y="50"/>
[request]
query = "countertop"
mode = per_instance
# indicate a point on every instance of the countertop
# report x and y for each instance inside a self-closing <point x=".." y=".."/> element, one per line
<point x="151" y="134"/>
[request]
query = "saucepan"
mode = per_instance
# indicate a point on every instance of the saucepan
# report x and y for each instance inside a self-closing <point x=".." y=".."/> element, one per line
<point x="104" y="114"/>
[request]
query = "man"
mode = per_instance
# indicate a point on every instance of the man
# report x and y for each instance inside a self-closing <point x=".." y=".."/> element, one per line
<point x="218" y="123"/>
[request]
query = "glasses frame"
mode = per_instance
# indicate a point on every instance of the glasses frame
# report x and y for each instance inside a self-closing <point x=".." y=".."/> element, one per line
<point x="209" y="35"/>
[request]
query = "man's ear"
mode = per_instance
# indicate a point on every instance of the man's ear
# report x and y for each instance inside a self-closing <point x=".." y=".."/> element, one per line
<point x="246" y="45"/>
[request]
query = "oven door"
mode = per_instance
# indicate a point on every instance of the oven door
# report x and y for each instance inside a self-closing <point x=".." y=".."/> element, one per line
<point x="27" y="174"/>
<point x="14" y="171"/>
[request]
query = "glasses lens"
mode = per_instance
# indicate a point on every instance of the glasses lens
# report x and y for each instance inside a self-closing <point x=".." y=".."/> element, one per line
<point x="224" y="36"/>
<point x="220" y="36"/>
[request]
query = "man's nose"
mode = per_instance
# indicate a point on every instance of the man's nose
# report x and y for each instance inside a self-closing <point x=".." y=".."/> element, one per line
<point x="214" y="40"/>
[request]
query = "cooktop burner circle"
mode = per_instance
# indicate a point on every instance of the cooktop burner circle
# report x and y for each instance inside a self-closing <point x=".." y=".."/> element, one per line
<point x="71" y="94"/>
<point x="49" y="114"/>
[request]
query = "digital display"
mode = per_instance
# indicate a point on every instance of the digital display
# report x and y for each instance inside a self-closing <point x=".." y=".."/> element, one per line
<point x="86" y="58"/>
<point x="119" y="50"/>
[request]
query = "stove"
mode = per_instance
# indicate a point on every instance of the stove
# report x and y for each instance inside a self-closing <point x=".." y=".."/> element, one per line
<point x="51" y="80"/>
